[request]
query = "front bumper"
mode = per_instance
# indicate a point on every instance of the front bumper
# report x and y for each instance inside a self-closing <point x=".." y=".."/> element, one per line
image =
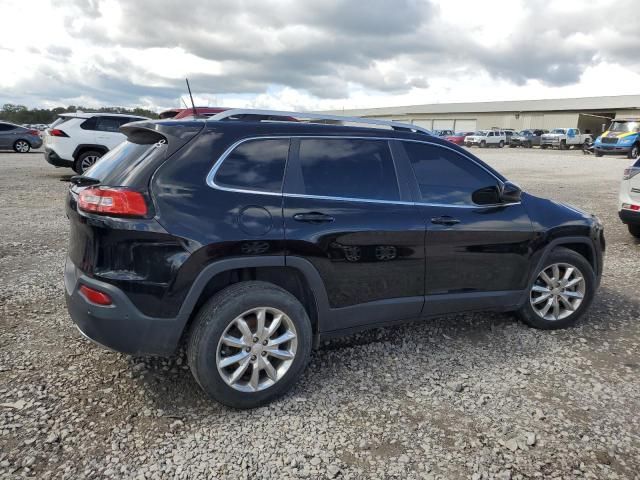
<point x="119" y="326"/>
<point x="629" y="217"/>
<point x="54" y="159"/>
<point x="605" y="148"/>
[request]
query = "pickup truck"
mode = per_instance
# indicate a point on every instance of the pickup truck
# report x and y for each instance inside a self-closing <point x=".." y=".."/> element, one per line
<point x="564" y="138"/>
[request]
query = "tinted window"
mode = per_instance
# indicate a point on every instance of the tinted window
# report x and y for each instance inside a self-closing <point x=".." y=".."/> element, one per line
<point x="123" y="159"/>
<point x="348" y="168"/>
<point x="444" y="176"/>
<point x="4" y="127"/>
<point x="106" y="124"/>
<point x="255" y="165"/>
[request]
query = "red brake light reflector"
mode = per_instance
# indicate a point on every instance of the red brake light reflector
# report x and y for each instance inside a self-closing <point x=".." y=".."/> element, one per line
<point x="55" y="132"/>
<point x="95" y="296"/>
<point x="112" y="201"/>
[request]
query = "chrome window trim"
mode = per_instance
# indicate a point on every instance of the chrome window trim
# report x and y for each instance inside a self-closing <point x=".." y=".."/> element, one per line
<point x="210" y="179"/>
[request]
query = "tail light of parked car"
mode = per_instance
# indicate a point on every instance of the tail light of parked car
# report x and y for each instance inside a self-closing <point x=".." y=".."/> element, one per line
<point x="113" y="201"/>
<point x="33" y="132"/>
<point x="56" y="132"/>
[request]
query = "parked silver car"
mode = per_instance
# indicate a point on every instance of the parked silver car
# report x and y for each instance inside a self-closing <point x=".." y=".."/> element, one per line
<point x="18" y="138"/>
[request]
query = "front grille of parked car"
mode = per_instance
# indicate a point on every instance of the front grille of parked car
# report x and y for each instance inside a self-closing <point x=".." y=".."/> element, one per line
<point x="609" y="139"/>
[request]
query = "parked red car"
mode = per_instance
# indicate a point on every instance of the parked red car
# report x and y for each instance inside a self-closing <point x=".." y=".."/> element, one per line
<point x="458" y="137"/>
<point x="178" y="113"/>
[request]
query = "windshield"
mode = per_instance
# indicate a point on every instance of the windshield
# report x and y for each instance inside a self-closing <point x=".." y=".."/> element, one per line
<point x="123" y="159"/>
<point x="482" y="133"/>
<point x="524" y="133"/>
<point x="558" y="130"/>
<point x="623" y="127"/>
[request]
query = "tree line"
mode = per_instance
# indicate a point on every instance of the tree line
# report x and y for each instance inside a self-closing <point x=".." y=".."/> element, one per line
<point x="20" y="114"/>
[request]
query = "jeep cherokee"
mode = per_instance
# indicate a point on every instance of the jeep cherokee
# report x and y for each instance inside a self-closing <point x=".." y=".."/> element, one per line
<point x="249" y="241"/>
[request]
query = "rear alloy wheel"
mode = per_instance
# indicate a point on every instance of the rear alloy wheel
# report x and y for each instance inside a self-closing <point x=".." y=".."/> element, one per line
<point x="249" y="344"/>
<point x="483" y="144"/>
<point x="501" y="144"/>
<point x="634" y="152"/>
<point x="22" y="146"/>
<point x="561" y="291"/>
<point x="86" y="161"/>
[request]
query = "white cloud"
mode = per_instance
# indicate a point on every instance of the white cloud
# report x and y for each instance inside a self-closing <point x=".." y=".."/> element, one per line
<point x="314" y="55"/>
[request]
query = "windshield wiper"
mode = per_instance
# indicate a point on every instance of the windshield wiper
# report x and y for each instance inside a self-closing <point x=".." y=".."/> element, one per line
<point x="82" y="181"/>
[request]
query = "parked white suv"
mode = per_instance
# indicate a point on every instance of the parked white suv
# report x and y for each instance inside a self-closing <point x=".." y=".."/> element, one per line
<point x="630" y="198"/>
<point x="563" y="138"/>
<point x="78" y="140"/>
<point x="486" y="138"/>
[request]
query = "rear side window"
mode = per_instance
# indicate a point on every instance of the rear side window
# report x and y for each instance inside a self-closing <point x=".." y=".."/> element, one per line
<point x="445" y="176"/>
<point x="105" y="124"/>
<point x="5" y="127"/>
<point x="118" y="164"/>
<point x="255" y="165"/>
<point x="348" y="168"/>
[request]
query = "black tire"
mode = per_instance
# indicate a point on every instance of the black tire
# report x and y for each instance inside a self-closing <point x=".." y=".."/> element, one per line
<point x="543" y="147"/>
<point x="634" y="151"/>
<point x="634" y="230"/>
<point x="598" y="153"/>
<point x="529" y="145"/>
<point x="511" y="145"/>
<point x="563" y="145"/>
<point x="81" y="164"/>
<point x="483" y="144"/>
<point x="561" y="255"/>
<point x="213" y="319"/>
<point x="501" y="144"/>
<point x="21" y="146"/>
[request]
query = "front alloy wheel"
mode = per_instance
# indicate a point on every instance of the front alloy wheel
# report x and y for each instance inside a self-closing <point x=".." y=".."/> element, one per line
<point x="557" y="292"/>
<point x="560" y="292"/>
<point x="256" y="349"/>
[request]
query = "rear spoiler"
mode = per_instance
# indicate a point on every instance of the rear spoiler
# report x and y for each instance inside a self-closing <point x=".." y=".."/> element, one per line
<point x="175" y="134"/>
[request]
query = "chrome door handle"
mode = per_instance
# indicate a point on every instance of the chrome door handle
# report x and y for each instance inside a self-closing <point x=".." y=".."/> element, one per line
<point x="445" y="220"/>
<point x="313" y="217"/>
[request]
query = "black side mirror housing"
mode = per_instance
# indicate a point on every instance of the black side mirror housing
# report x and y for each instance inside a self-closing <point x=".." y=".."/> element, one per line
<point x="510" y="193"/>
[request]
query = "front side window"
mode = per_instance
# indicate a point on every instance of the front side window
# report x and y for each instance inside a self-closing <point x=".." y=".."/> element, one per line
<point x="255" y="165"/>
<point x="348" y="168"/>
<point x="446" y="177"/>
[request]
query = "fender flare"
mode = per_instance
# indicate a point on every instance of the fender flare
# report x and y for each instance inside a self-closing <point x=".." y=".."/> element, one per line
<point x="305" y="267"/>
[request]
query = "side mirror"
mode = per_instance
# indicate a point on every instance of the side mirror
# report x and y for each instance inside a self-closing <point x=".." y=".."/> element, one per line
<point x="486" y="196"/>
<point x="510" y="193"/>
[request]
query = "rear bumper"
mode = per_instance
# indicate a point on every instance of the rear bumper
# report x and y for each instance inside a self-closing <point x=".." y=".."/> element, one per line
<point x="35" y="142"/>
<point x="120" y="326"/>
<point x="629" y="217"/>
<point x="54" y="159"/>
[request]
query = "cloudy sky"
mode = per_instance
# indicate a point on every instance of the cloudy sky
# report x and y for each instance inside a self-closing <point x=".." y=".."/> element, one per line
<point x="310" y="54"/>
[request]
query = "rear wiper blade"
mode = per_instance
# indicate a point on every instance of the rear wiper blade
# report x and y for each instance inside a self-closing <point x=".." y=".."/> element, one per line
<point x="82" y="181"/>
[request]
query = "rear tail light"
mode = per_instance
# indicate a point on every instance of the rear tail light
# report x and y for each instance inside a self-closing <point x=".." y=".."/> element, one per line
<point x="630" y="206"/>
<point x="95" y="296"/>
<point x="55" y="132"/>
<point x="33" y="132"/>
<point x="113" y="201"/>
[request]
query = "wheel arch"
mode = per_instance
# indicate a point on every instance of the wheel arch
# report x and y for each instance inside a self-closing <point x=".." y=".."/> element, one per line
<point x="85" y="147"/>
<point x="293" y="274"/>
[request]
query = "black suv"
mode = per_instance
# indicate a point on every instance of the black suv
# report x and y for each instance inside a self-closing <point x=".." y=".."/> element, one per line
<point x="250" y="241"/>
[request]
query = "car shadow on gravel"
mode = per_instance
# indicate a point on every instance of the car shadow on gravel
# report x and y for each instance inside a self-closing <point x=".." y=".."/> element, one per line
<point x="169" y="386"/>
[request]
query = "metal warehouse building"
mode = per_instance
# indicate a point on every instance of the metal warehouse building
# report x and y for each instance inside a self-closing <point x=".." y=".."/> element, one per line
<point x="588" y="113"/>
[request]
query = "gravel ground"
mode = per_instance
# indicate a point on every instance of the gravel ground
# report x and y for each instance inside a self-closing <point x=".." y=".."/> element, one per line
<point x="470" y="396"/>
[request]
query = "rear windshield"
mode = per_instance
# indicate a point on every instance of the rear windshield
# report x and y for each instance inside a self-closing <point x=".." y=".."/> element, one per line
<point x="119" y="164"/>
